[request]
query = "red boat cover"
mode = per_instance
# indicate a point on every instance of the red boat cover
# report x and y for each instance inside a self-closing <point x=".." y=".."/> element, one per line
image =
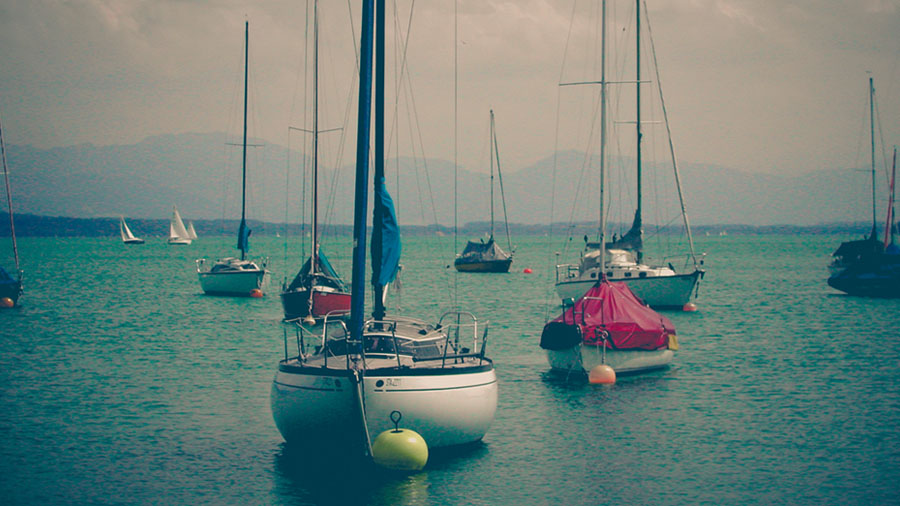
<point x="615" y="309"/>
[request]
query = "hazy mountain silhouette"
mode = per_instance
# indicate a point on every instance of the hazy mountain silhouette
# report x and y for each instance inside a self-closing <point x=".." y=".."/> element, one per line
<point x="200" y="174"/>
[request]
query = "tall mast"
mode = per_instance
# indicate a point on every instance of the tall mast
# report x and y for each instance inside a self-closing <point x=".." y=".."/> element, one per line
<point x="491" y="149"/>
<point x="603" y="135"/>
<point x="314" y="226"/>
<point x="637" y="30"/>
<point x="243" y="240"/>
<point x="358" y="281"/>
<point x="12" y="224"/>
<point x="378" y="300"/>
<point x="872" y="136"/>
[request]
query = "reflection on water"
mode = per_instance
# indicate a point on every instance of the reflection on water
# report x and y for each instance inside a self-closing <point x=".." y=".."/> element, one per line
<point x="323" y="479"/>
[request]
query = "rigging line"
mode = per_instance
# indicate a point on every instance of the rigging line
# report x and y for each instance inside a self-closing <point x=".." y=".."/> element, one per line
<point x="12" y="224"/>
<point x="502" y="194"/>
<point x="455" y="145"/>
<point x="687" y="224"/>
<point x="418" y="128"/>
<point x="884" y="156"/>
<point x="287" y="175"/>
<point x="550" y="256"/>
<point x="328" y="228"/>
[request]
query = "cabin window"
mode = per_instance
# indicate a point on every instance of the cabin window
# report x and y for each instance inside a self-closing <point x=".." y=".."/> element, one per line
<point x="642" y="275"/>
<point x="593" y="275"/>
<point x="609" y="274"/>
<point x="627" y="274"/>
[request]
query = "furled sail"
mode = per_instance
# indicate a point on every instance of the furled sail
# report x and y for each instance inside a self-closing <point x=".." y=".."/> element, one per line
<point x="385" y="238"/>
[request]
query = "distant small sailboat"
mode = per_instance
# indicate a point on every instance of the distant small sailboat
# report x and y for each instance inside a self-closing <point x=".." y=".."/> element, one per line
<point x="488" y="256"/>
<point x="190" y="230"/>
<point x="232" y="276"/>
<point x="10" y="287"/>
<point x="125" y="232"/>
<point x="178" y="234"/>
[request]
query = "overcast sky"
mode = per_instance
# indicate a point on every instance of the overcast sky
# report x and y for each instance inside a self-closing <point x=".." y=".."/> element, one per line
<point x="760" y="85"/>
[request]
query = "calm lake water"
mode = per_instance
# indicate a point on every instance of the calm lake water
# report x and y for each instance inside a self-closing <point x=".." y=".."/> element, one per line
<point x="120" y="383"/>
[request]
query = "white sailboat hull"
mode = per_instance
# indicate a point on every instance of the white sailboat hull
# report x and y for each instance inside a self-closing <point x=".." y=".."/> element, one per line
<point x="582" y="359"/>
<point x="671" y="291"/>
<point x="179" y="241"/>
<point x="233" y="283"/>
<point x="315" y="405"/>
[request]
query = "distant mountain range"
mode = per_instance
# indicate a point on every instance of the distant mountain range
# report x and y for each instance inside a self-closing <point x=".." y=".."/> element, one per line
<point x="200" y="173"/>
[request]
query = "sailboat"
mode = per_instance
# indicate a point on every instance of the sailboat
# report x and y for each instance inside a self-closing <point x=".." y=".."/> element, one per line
<point x="660" y="286"/>
<point x="125" y="232"/>
<point x="875" y="274"/>
<point x="488" y="256"/>
<point x="851" y="252"/>
<point x="233" y="276"/>
<point x="317" y="290"/>
<point x="335" y="392"/>
<point x="178" y="235"/>
<point x="190" y="230"/>
<point x="10" y="286"/>
<point x="608" y="324"/>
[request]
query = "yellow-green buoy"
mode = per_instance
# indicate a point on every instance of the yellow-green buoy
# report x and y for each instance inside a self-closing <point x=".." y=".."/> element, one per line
<point x="400" y="449"/>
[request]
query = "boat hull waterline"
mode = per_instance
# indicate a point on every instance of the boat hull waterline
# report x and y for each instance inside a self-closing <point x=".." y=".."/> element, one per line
<point x="325" y="301"/>
<point x="582" y="359"/>
<point x="488" y="266"/>
<point x="233" y="283"/>
<point x="659" y="292"/>
<point x="449" y="407"/>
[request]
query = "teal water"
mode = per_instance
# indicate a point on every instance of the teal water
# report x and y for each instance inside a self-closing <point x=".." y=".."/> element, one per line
<point x="121" y="384"/>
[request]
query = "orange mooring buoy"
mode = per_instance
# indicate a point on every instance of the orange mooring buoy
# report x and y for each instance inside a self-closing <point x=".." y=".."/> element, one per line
<point x="690" y="307"/>
<point x="7" y="302"/>
<point x="256" y="293"/>
<point x="602" y="375"/>
<point x="527" y="270"/>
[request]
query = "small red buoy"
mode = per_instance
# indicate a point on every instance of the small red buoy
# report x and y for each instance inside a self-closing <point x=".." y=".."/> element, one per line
<point x="256" y="293"/>
<point x="527" y="270"/>
<point x="602" y="375"/>
<point x="690" y="307"/>
<point x="7" y="302"/>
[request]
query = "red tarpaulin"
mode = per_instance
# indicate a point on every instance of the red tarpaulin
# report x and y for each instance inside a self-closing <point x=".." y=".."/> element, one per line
<point x="611" y="308"/>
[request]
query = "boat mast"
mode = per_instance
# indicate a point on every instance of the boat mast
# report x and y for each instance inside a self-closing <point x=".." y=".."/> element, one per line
<point x="358" y="279"/>
<point x="314" y="224"/>
<point x="602" y="137"/>
<point x="637" y="22"/>
<point x="242" y="240"/>
<point x="12" y="224"/>
<point x="872" y="137"/>
<point x="378" y="310"/>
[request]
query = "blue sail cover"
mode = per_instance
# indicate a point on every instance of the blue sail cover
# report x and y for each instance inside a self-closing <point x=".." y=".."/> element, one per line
<point x="243" y="237"/>
<point x="385" y="237"/>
